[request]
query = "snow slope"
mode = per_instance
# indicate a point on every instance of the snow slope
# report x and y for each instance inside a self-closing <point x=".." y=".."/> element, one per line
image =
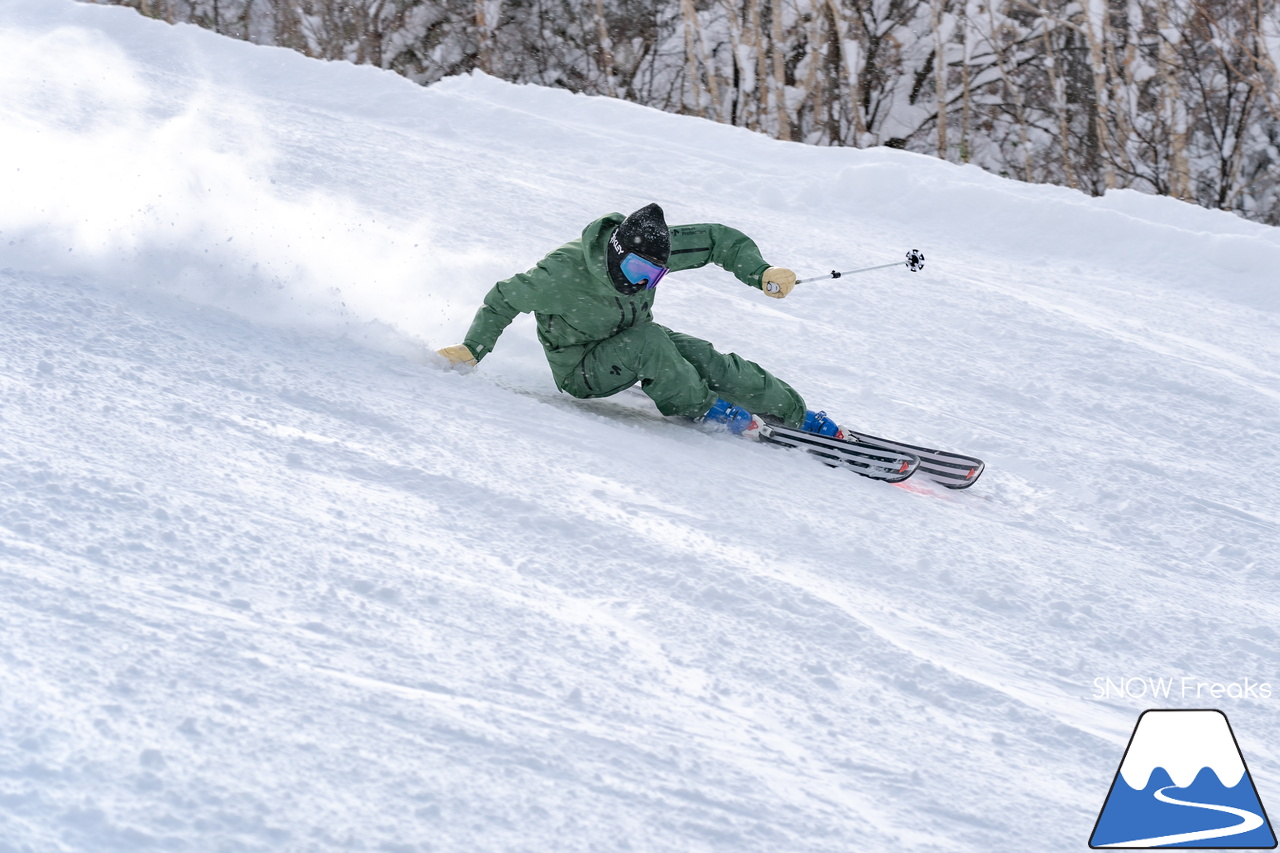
<point x="272" y="579"/>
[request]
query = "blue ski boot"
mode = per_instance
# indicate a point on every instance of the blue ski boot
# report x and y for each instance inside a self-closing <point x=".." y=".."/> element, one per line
<point x="738" y="420"/>
<point x="818" y="422"/>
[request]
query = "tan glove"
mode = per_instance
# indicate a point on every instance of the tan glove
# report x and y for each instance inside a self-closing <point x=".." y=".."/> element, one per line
<point x="777" y="282"/>
<point x="458" y="354"/>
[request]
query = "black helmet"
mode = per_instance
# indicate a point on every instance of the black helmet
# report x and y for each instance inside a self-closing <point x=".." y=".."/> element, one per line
<point x="643" y="233"/>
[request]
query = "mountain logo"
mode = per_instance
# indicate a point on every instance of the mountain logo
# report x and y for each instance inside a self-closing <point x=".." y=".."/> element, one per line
<point x="1183" y="783"/>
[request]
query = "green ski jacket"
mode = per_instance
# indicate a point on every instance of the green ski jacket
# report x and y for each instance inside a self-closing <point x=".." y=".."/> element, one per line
<point x="576" y="305"/>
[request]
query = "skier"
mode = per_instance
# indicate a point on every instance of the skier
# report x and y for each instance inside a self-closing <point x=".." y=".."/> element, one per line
<point x="593" y="300"/>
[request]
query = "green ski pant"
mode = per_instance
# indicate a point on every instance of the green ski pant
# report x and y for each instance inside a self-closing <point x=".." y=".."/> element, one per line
<point x="682" y="374"/>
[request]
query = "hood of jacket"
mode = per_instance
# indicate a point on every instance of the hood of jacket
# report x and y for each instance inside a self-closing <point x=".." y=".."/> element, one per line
<point x="595" y="242"/>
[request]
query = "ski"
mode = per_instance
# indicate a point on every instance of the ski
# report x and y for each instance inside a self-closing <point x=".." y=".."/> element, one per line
<point x="948" y="469"/>
<point x="879" y="463"/>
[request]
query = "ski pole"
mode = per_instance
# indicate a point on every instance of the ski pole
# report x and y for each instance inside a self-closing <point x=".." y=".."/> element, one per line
<point x="914" y="262"/>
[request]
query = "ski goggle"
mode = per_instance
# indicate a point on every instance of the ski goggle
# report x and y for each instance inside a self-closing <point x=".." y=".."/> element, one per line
<point x="638" y="270"/>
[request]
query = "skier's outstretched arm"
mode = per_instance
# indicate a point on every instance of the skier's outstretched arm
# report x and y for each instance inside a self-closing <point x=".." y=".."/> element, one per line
<point x="490" y="321"/>
<point x="693" y="246"/>
<point x="522" y="293"/>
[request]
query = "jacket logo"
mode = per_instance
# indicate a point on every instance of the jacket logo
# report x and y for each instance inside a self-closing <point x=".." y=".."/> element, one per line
<point x="616" y="371"/>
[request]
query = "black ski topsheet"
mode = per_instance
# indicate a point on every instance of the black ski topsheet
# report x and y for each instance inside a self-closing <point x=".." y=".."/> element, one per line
<point x="948" y="469"/>
<point x="879" y="463"/>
